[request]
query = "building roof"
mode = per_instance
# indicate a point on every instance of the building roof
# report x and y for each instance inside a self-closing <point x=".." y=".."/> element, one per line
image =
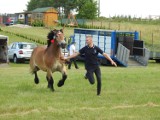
<point x="44" y="9"/>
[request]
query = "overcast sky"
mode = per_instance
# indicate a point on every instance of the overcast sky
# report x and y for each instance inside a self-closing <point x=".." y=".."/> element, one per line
<point x="139" y="8"/>
<point x="13" y="6"/>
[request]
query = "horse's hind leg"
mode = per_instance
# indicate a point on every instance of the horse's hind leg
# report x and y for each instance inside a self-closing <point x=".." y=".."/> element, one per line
<point x="50" y="81"/>
<point x="36" y="79"/>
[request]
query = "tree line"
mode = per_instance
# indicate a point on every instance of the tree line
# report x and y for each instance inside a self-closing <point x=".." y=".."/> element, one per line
<point x="85" y="9"/>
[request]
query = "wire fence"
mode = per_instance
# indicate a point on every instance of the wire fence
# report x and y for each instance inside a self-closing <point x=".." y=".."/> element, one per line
<point x="150" y="34"/>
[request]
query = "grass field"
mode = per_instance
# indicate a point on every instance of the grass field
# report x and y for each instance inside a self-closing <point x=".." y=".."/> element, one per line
<point x="148" y="33"/>
<point x="27" y="33"/>
<point x="130" y="93"/>
<point x="127" y="94"/>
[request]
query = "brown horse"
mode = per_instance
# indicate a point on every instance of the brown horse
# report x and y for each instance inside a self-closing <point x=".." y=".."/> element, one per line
<point x="49" y="59"/>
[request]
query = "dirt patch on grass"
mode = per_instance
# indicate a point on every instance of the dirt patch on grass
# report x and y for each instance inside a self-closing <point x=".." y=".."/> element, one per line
<point x="149" y="104"/>
<point x="20" y="26"/>
<point x="4" y="64"/>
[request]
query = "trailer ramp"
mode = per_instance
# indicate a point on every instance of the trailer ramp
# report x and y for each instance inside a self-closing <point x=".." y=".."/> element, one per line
<point x="133" y="62"/>
<point x="143" y="60"/>
<point x="122" y="55"/>
<point x="124" y="58"/>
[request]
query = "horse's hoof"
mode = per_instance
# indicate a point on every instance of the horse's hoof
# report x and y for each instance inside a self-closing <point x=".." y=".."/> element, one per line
<point x="52" y="90"/>
<point x="36" y="81"/>
<point x="49" y="86"/>
<point x="60" y="83"/>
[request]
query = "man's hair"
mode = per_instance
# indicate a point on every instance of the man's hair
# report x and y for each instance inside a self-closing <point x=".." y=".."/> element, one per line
<point x="88" y="35"/>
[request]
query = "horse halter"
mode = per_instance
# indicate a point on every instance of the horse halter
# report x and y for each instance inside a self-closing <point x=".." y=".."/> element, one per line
<point x="59" y="38"/>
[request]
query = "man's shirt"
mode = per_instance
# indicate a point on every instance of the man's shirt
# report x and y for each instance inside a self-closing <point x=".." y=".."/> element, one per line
<point x="72" y="49"/>
<point x="90" y="54"/>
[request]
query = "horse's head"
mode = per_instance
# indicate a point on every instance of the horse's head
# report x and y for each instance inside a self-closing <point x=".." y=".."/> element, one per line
<point x="58" y="36"/>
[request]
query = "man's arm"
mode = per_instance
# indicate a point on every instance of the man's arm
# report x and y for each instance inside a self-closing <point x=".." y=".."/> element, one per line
<point x="108" y="58"/>
<point x="74" y="55"/>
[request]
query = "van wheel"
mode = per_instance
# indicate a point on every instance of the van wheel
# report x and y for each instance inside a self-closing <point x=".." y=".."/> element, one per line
<point x="15" y="60"/>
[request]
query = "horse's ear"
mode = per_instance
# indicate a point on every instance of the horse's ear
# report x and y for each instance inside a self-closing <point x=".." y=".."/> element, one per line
<point x="61" y="30"/>
<point x="54" y="30"/>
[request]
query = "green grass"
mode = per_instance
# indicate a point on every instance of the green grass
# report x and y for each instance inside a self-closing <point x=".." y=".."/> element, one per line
<point x="146" y="29"/>
<point x="36" y="33"/>
<point x="127" y="94"/>
<point x="130" y="93"/>
<point x="147" y="32"/>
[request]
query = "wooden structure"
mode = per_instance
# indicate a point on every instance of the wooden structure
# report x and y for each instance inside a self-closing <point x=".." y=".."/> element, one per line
<point x="71" y="21"/>
<point x="47" y="15"/>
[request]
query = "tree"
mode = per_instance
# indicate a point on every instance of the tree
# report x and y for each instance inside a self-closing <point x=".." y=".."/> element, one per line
<point x="66" y="5"/>
<point x="33" y="4"/>
<point x="88" y="10"/>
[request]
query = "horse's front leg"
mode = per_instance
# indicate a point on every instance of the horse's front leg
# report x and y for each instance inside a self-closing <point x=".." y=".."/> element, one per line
<point x="64" y="77"/>
<point x="50" y="81"/>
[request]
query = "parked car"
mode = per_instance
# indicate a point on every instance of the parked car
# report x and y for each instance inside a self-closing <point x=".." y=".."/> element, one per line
<point x="20" y="51"/>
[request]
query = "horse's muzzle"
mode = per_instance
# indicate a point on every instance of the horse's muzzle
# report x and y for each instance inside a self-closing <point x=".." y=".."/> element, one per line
<point x="63" y="45"/>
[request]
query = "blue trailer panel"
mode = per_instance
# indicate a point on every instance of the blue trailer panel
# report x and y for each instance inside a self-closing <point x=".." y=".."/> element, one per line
<point x="108" y="41"/>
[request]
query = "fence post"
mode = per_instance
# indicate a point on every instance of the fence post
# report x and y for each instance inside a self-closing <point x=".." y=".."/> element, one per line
<point x="101" y="24"/>
<point x="119" y="26"/>
<point x="152" y="40"/>
<point x="109" y="25"/>
<point x="83" y="21"/>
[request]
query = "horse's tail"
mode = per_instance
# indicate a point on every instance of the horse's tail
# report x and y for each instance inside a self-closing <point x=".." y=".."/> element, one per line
<point x="31" y="71"/>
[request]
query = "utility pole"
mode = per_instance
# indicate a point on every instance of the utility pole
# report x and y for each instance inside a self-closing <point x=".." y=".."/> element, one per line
<point x="98" y="8"/>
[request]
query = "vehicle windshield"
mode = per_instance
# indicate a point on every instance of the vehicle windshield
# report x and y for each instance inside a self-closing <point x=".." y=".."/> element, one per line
<point x="27" y="46"/>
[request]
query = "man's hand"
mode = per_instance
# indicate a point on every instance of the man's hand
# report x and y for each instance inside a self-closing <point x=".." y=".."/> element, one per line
<point x="113" y="63"/>
<point x="67" y="61"/>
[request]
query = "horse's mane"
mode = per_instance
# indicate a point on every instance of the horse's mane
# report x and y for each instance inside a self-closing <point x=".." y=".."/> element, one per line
<point x="52" y="35"/>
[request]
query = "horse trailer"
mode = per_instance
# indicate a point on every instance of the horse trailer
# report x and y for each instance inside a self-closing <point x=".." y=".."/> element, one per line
<point x="3" y="49"/>
<point x="124" y="47"/>
<point x="155" y="55"/>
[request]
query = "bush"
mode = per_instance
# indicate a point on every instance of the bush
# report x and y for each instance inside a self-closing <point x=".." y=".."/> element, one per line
<point x="38" y="23"/>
